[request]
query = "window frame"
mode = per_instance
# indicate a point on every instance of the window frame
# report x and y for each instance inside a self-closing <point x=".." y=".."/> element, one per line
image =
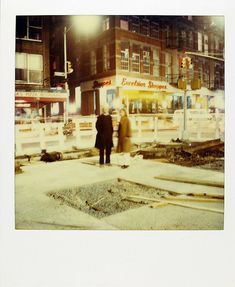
<point x="125" y="57"/>
<point x="28" y="26"/>
<point x="146" y="64"/>
<point x="28" y="82"/>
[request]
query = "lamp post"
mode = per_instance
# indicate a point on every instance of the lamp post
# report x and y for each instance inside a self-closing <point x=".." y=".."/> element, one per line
<point x="86" y="24"/>
<point x="66" y="71"/>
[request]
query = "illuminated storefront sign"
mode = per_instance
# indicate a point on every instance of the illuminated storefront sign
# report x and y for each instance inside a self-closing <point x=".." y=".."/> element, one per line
<point x="125" y="82"/>
<point x="41" y="94"/>
<point x="97" y="84"/>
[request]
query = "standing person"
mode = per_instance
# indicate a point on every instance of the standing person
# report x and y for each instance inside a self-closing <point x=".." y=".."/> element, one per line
<point x="124" y="142"/>
<point x="104" y="137"/>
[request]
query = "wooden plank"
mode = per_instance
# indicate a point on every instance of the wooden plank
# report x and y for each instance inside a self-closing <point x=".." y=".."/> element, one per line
<point x="178" y="204"/>
<point x="203" y="146"/>
<point x="193" y="198"/>
<point x="171" y="191"/>
<point x="191" y="180"/>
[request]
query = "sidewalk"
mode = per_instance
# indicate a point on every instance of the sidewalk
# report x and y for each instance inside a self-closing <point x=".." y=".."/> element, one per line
<point x="36" y="210"/>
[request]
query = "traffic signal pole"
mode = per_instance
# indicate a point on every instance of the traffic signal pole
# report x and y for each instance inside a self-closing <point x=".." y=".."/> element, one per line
<point x="66" y="76"/>
<point x="185" y="133"/>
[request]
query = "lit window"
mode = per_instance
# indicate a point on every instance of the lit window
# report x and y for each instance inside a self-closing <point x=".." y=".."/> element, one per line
<point x="29" y="28"/>
<point x="106" y="58"/>
<point x="199" y="41"/>
<point x="156" y="63"/>
<point x="136" y="58"/>
<point x="125" y="56"/>
<point x="146" y="60"/>
<point x="29" y="68"/>
<point x="167" y="63"/>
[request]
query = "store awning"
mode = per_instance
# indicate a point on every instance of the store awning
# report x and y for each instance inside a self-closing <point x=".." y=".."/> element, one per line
<point x="40" y="96"/>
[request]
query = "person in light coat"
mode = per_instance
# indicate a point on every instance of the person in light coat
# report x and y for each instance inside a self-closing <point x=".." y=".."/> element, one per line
<point x="124" y="141"/>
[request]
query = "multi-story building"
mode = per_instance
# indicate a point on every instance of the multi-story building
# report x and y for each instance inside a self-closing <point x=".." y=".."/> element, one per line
<point x="136" y="61"/>
<point x="33" y="94"/>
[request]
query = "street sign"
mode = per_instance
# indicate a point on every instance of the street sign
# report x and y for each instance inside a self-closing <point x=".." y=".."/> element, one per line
<point x="59" y="74"/>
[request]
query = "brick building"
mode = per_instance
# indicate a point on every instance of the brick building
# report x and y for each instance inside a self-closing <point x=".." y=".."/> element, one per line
<point x="33" y="94"/>
<point x="136" y="61"/>
<point x="131" y="60"/>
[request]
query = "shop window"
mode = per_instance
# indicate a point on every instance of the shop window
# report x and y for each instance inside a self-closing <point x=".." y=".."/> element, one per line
<point x="29" y="68"/>
<point x="106" y="24"/>
<point x="136" y="58"/>
<point x="110" y="96"/>
<point x="146" y="60"/>
<point x="106" y="58"/>
<point x="125" y="56"/>
<point x="154" y="30"/>
<point x="29" y="28"/>
<point x="93" y="62"/>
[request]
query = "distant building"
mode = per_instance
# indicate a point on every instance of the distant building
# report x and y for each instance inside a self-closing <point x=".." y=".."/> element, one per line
<point x="34" y="97"/>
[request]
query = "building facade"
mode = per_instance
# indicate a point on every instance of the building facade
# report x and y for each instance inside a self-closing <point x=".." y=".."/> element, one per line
<point x="131" y="61"/>
<point x="34" y="97"/>
<point x="136" y="61"/>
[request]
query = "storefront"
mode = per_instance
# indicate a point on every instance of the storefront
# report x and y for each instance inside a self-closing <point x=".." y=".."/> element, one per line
<point x="40" y="104"/>
<point x="200" y="99"/>
<point x="136" y="94"/>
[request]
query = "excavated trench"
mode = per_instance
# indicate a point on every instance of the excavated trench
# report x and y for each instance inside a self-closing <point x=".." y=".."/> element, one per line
<point x="107" y="197"/>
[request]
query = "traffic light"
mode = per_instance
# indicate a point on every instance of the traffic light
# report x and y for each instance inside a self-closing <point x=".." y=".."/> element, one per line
<point x="195" y="84"/>
<point x="182" y="84"/>
<point x="183" y="63"/>
<point x="190" y="63"/>
<point x="69" y="67"/>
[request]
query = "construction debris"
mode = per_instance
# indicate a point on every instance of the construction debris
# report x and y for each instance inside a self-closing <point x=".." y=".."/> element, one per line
<point x="185" y="153"/>
<point x="50" y="157"/>
<point x="202" y="147"/>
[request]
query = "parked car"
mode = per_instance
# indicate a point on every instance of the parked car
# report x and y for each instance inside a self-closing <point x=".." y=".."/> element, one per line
<point x="193" y="115"/>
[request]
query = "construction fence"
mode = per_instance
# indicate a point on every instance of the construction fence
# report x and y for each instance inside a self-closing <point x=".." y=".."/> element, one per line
<point x="81" y="132"/>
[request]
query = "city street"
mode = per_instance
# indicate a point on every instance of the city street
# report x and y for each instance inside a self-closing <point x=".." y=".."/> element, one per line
<point x="35" y="209"/>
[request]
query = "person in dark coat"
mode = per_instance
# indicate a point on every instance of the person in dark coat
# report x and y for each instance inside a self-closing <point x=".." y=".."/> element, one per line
<point x="104" y="137"/>
<point x="124" y="141"/>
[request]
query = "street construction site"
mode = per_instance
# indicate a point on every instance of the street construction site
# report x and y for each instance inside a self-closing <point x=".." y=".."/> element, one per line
<point x="177" y="185"/>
